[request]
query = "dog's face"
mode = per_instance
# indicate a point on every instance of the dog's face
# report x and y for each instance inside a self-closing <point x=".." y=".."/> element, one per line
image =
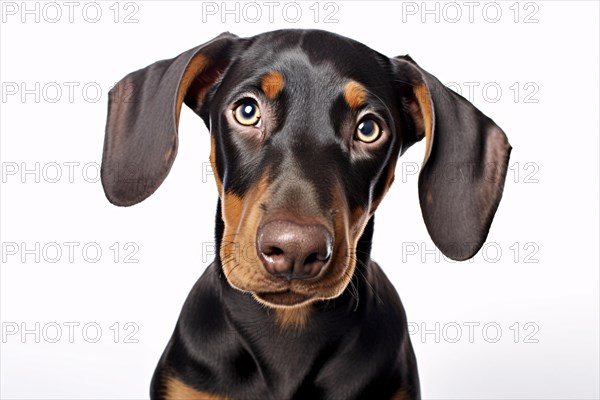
<point x="306" y="128"/>
<point x="303" y="149"/>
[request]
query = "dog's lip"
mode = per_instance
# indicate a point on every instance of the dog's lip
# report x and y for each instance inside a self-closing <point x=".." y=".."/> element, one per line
<point x="283" y="298"/>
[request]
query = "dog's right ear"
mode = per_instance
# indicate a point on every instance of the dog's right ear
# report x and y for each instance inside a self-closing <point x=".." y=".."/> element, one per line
<point x="143" y="114"/>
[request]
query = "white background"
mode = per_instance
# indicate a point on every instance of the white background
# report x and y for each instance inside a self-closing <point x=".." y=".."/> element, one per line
<point x="538" y="275"/>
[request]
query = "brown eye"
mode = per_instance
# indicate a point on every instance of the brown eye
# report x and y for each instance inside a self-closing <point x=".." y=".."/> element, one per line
<point x="368" y="131"/>
<point x="247" y="113"/>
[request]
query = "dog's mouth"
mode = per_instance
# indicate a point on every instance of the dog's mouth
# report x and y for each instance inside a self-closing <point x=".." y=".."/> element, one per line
<point x="283" y="298"/>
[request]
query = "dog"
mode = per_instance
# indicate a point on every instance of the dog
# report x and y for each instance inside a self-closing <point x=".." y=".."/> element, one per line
<point x="306" y="127"/>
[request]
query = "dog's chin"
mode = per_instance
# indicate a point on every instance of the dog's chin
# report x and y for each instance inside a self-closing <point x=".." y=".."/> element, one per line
<point x="283" y="299"/>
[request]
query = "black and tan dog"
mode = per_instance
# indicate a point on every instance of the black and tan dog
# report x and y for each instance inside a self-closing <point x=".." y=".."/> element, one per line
<point x="306" y="127"/>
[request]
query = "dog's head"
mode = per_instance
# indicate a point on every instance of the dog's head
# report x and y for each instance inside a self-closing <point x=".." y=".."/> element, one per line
<point x="306" y="128"/>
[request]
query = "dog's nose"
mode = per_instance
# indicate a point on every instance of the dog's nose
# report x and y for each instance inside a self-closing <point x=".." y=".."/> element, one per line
<point x="293" y="251"/>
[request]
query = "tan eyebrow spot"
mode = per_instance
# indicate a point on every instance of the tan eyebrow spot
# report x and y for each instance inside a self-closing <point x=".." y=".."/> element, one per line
<point x="272" y="83"/>
<point x="355" y="94"/>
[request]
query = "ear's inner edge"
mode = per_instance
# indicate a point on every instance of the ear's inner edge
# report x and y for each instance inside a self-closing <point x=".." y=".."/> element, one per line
<point x="424" y="99"/>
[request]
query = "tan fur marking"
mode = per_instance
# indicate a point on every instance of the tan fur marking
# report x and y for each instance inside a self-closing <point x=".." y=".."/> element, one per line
<point x="177" y="390"/>
<point x="194" y="68"/>
<point x="429" y="197"/>
<point x="213" y="163"/>
<point x="272" y="83"/>
<point x="233" y="206"/>
<point x="241" y="263"/>
<point x="355" y="217"/>
<point x="294" y="317"/>
<point x="355" y="94"/>
<point x="400" y="395"/>
<point x="424" y="100"/>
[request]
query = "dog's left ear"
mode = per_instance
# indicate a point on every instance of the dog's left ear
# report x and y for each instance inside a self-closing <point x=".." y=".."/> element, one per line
<point x="466" y="158"/>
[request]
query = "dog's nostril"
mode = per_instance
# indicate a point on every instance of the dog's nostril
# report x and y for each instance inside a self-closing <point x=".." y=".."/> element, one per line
<point x="316" y="257"/>
<point x="311" y="258"/>
<point x="276" y="251"/>
<point x="273" y="251"/>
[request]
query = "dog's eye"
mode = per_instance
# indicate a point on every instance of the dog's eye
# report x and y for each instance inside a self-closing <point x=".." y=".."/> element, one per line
<point x="247" y="113"/>
<point x="368" y="131"/>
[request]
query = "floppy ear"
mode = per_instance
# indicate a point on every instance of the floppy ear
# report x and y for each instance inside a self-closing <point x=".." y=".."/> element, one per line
<point x="466" y="158"/>
<point x="143" y="114"/>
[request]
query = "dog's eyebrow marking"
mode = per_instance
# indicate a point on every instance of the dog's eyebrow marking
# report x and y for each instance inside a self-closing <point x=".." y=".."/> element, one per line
<point x="271" y="83"/>
<point x="355" y="94"/>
